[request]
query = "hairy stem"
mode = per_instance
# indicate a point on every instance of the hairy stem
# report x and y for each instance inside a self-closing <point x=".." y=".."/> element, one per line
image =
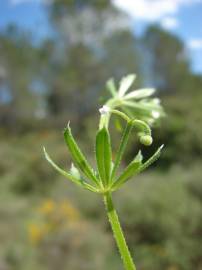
<point x="118" y="233"/>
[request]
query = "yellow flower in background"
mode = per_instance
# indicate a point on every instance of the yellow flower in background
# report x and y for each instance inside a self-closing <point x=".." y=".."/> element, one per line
<point x="69" y="211"/>
<point x="36" y="233"/>
<point x="47" y="207"/>
<point x="54" y="217"/>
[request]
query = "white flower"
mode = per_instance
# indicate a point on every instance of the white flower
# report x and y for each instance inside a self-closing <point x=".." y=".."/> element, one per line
<point x="157" y="101"/>
<point x="125" y="84"/>
<point x="140" y="93"/>
<point x="155" y="114"/>
<point x="104" y="110"/>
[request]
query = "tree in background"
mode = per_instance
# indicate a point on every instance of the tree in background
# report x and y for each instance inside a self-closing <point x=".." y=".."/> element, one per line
<point x="17" y="60"/>
<point x="92" y="41"/>
<point x="181" y="89"/>
<point x="87" y="34"/>
<point x="168" y="59"/>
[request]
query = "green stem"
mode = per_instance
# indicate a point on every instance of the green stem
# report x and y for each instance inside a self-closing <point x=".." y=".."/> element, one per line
<point x="118" y="233"/>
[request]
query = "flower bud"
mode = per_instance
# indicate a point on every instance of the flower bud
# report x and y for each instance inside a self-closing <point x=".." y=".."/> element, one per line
<point x="146" y="140"/>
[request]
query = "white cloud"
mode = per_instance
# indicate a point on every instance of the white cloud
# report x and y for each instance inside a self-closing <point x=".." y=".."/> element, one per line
<point x="152" y="10"/>
<point x="169" y="23"/>
<point x="195" y="44"/>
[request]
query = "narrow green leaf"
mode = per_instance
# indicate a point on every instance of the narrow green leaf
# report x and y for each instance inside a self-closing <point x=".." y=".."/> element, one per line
<point x="136" y="167"/>
<point x="69" y="176"/>
<point x="78" y="157"/>
<point x="131" y="170"/>
<point x="122" y="147"/>
<point x="103" y="155"/>
<point x="152" y="159"/>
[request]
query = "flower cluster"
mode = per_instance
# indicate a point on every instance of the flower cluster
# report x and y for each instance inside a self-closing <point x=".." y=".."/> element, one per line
<point x="138" y="104"/>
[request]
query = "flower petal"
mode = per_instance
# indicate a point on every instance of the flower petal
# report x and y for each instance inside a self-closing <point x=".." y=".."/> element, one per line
<point x="141" y="93"/>
<point x="125" y="84"/>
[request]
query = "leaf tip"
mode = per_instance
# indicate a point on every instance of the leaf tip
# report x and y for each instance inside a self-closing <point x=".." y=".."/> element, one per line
<point x="161" y="147"/>
<point x="44" y="151"/>
<point x="67" y="128"/>
<point x="46" y="154"/>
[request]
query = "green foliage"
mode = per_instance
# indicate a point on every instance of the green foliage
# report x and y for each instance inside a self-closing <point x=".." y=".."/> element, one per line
<point x="162" y="226"/>
<point x="155" y="212"/>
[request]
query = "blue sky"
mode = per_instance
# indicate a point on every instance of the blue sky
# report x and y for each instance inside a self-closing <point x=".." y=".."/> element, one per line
<point x="29" y="15"/>
<point x="182" y="17"/>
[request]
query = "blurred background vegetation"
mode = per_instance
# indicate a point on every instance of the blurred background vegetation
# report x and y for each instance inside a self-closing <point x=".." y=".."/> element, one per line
<point x="46" y="222"/>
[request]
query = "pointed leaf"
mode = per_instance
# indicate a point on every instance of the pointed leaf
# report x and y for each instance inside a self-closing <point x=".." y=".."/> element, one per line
<point x="135" y="167"/>
<point x="103" y="155"/>
<point x="131" y="170"/>
<point x="152" y="159"/>
<point x="141" y="93"/>
<point x="69" y="176"/>
<point x="78" y="156"/>
<point x="125" y="84"/>
<point x="122" y="147"/>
